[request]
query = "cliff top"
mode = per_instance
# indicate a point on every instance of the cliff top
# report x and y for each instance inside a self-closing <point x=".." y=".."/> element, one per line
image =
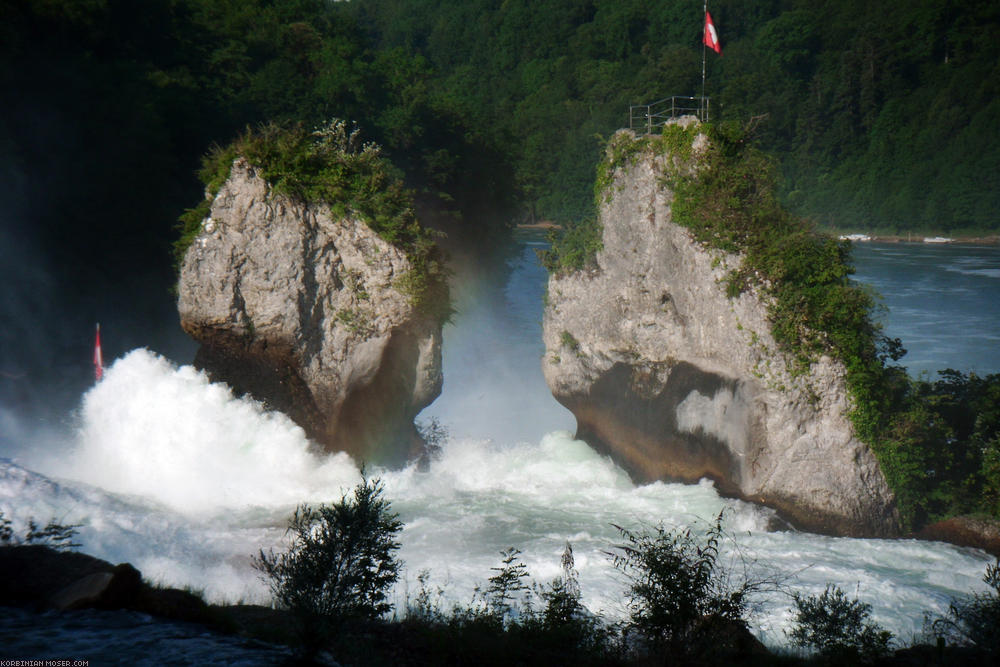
<point x="330" y="166"/>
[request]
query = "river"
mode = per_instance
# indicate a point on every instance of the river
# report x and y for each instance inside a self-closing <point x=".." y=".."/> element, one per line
<point x="175" y="475"/>
<point x="942" y="300"/>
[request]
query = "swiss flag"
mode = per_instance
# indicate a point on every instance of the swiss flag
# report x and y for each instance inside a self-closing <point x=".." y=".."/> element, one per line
<point x="711" y="37"/>
<point x="98" y="359"/>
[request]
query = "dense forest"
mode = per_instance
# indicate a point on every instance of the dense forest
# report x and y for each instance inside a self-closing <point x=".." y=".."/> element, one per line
<point x="881" y="115"/>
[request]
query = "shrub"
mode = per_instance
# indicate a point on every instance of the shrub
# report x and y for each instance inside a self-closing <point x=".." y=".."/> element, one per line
<point x="566" y="339"/>
<point x="975" y="621"/>
<point x="340" y="564"/>
<point x="425" y="607"/>
<point x="838" y="628"/>
<point x="573" y="248"/>
<point x="507" y="586"/>
<point x="681" y="600"/>
<point x="55" y="535"/>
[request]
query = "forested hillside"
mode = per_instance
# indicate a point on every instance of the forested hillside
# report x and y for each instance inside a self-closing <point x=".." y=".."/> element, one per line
<point x="106" y="108"/>
<point x="883" y="115"/>
<point x="109" y="104"/>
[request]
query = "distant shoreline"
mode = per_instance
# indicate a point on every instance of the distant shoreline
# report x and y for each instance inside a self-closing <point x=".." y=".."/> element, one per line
<point x="989" y="239"/>
<point x="544" y="224"/>
<point x="992" y="239"/>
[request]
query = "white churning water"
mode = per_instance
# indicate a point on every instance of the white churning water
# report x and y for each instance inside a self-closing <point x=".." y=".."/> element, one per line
<point x="172" y="473"/>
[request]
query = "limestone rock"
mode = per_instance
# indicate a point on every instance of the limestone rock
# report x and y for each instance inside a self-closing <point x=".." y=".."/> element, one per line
<point x="675" y="380"/>
<point x="304" y="310"/>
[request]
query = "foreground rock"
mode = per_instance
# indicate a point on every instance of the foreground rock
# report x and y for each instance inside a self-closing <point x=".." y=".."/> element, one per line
<point x="677" y="381"/>
<point x="307" y="312"/>
<point x="40" y="578"/>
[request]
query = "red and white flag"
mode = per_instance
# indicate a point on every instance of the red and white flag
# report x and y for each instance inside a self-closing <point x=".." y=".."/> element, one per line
<point x="711" y="37"/>
<point x="98" y="359"/>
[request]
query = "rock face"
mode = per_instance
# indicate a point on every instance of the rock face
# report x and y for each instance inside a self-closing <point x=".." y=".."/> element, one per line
<point x="677" y="381"/>
<point x="305" y="312"/>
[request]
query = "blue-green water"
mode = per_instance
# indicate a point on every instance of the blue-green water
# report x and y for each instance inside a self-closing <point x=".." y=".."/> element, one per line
<point x="943" y="302"/>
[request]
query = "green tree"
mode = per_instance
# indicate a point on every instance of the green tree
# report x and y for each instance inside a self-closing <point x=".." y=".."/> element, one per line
<point x="681" y="598"/>
<point x="340" y="564"/>
<point x="839" y="628"/>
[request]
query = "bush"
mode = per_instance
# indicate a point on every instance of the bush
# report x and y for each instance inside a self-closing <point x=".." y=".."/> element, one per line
<point x="340" y="564"/>
<point x="838" y="627"/>
<point x="507" y="586"/>
<point x="975" y="621"/>
<point x="510" y="622"/>
<point x="681" y="600"/>
<point x="573" y="248"/>
<point x="54" y="535"/>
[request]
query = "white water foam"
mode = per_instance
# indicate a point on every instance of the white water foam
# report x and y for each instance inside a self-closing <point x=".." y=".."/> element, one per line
<point x="175" y="475"/>
<point x="169" y="434"/>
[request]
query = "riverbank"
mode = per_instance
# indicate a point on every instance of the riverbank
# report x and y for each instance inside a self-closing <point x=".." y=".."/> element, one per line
<point x="859" y="237"/>
<point x="989" y="239"/>
<point x="95" y="612"/>
<point x="544" y="224"/>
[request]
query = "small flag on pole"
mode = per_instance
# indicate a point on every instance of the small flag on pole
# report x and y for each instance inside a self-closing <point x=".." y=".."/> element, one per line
<point x="711" y="36"/>
<point x="98" y="359"/>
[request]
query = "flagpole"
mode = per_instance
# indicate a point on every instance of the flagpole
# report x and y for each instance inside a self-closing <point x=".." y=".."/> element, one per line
<point x="703" y="55"/>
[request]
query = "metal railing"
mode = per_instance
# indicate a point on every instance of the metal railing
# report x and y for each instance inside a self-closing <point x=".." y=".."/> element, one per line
<point x="647" y="118"/>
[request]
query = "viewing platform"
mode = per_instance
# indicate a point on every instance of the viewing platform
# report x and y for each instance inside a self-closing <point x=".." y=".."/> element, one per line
<point x="647" y="118"/>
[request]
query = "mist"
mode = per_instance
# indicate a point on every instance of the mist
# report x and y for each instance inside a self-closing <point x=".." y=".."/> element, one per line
<point x="493" y="384"/>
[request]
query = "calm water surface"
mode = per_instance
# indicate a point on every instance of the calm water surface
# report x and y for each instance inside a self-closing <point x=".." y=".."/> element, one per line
<point x="943" y="302"/>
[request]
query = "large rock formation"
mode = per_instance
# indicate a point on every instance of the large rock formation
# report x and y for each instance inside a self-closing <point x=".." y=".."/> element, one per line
<point x="306" y="312"/>
<point x="678" y="381"/>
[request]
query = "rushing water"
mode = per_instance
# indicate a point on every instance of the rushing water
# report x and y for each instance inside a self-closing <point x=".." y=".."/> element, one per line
<point x="172" y="473"/>
<point x="943" y="302"/>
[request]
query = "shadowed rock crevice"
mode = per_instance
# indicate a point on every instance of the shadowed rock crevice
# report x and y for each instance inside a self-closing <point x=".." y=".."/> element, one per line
<point x="378" y="411"/>
<point x="626" y="405"/>
<point x="264" y="371"/>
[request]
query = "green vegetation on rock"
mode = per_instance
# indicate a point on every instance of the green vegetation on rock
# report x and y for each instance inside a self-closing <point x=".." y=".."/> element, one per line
<point x="330" y="165"/>
<point x="574" y="247"/>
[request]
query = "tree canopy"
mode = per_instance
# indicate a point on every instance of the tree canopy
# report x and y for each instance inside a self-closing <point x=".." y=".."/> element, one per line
<point x="882" y="115"/>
